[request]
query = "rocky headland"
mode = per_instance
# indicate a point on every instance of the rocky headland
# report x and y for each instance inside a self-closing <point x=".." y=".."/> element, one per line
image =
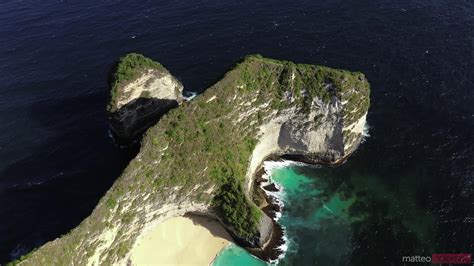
<point x="141" y="92"/>
<point x="204" y="156"/>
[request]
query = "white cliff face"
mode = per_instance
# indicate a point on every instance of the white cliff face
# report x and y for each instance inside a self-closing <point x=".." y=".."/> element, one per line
<point x="356" y="128"/>
<point x="317" y="135"/>
<point x="142" y="102"/>
<point x="151" y="84"/>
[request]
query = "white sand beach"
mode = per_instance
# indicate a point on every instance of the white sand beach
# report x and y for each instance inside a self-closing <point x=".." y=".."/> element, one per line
<point x="188" y="240"/>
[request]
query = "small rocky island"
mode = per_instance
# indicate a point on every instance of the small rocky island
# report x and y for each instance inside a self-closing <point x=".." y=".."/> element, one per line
<point x="203" y="157"/>
<point x="141" y="92"/>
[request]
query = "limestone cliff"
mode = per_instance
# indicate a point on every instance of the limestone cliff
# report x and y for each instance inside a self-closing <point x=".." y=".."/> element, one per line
<point x="141" y="92"/>
<point x="202" y="157"/>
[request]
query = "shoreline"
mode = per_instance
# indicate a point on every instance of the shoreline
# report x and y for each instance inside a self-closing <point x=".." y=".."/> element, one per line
<point x="193" y="228"/>
<point x="219" y="252"/>
<point x="275" y="248"/>
<point x="188" y="239"/>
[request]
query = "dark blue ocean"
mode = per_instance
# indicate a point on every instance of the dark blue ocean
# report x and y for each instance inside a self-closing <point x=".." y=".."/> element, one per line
<point x="57" y="159"/>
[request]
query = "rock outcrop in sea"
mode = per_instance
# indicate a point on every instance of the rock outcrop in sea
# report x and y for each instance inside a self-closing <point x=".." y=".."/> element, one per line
<point x="141" y="92"/>
<point x="202" y="157"/>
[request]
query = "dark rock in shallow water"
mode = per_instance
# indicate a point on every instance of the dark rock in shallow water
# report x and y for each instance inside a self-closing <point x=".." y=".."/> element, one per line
<point x="271" y="249"/>
<point x="272" y="188"/>
<point x="276" y="208"/>
<point x="260" y="179"/>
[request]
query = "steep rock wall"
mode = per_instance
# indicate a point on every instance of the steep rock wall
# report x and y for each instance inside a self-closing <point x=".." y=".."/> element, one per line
<point x="139" y="101"/>
<point x="322" y="135"/>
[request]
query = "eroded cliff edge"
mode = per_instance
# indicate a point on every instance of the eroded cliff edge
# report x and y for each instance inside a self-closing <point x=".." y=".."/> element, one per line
<point x="141" y="92"/>
<point x="202" y="156"/>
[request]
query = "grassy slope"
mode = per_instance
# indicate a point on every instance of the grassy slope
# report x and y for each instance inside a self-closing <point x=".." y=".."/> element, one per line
<point x="201" y="145"/>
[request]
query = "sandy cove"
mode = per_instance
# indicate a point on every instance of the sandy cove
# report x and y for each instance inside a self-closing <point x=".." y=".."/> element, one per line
<point x="188" y="240"/>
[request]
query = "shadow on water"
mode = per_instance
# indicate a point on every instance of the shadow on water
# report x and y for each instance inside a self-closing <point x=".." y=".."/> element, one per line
<point x="54" y="186"/>
<point x="135" y="117"/>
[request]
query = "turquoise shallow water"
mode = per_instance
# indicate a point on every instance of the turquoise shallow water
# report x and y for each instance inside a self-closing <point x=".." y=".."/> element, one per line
<point x="301" y="190"/>
<point x="235" y="255"/>
<point x="332" y="216"/>
<point x="317" y="223"/>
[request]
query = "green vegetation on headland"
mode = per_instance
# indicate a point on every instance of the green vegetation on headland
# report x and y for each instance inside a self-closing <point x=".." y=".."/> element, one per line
<point x="199" y="153"/>
<point x="235" y="209"/>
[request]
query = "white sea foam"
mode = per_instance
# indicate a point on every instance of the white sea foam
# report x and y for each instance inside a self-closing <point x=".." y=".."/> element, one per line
<point x="110" y="135"/>
<point x="365" y="132"/>
<point x="189" y="95"/>
<point x="278" y="197"/>
<point x="39" y="180"/>
<point x="270" y="165"/>
<point x="283" y="247"/>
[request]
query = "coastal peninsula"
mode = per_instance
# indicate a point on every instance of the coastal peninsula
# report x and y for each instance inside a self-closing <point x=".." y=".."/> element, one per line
<point x="203" y="156"/>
